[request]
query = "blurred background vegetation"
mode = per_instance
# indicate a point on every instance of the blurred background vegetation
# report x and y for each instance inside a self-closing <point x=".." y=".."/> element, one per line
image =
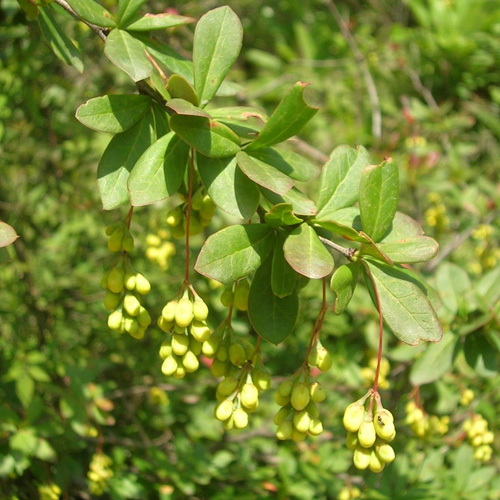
<point x="416" y="80"/>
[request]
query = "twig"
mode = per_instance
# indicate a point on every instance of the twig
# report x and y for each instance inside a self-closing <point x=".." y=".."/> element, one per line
<point x="101" y="32"/>
<point x="346" y="252"/>
<point x="420" y="87"/>
<point x="360" y="59"/>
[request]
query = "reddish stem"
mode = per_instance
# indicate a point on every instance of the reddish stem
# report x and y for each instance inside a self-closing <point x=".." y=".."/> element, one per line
<point x="128" y="219"/>
<point x="188" y="214"/>
<point x="318" y="324"/>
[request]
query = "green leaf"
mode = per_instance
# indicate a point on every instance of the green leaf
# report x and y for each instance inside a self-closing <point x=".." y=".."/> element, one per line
<point x="24" y="441"/>
<point x="405" y="307"/>
<point x="179" y="87"/>
<point x="150" y="22"/>
<point x="44" y="451"/>
<point x="128" y="54"/>
<point x="378" y="198"/>
<point x="117" y="161"/>
<point x="186" y="108"/>
<point x="25" y="389"/>
<point x="283" y="277"/>
<point x="302" y="205"/>
<point x="167" y="58"/>
<point x="345" y="222"/>
<point x="159" y="172"/>
<point x="272" y="317"/>
<point x="242" y="120"/>
<point x="113" y="113"/>
<point x="38" y="374"/>
<point x="263" y="174"/>
<point x="30" y="9"/>
<point x="127" y="10"/>
<point x="406" y="242"/>
<point x="282" y="215"/>
<point x="217" y="43"/>
<point x="453" y="285"/>
<point x="290" y="163"/>
<point x="340" y="178"/>
<point x="208" y="137"/>
<point x="229" y="188"/>
<point x="7" y="234"/>
<point x="343" y="284"/>
<point x="306" y="254"/>
<point x="434" y="362"/>
<point x="235" y="252"/>
<point x="92" y="12"/>
<point x="287" y="120"/>
<point x="60" y="44"/>
<point x="488" y="286"/>
<point x="481" y="355"/>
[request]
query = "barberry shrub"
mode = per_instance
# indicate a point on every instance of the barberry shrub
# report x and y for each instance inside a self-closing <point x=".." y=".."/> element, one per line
<point x="292" y="222"/>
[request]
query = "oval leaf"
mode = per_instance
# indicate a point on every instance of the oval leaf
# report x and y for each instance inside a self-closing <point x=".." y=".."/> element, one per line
<point x="343" y="284"/>
<point x="287" y="120"/>
<point x="93" y="12"/>
<point x="378" y="198"/>
<point x="340" y="178"/>
<point x="128" y="54"/>
<point x="405" y="307"/>
<point x="302" y="205"/>
<point x="159" y="171"/>
<point x="235" y="252"/>
<point x="127" y="10"/>
<point x="283" y="277"/>
<point x="217" y="42"/>
<point x="306" y="254"/>
<point x="209" y="137"/>
<point x="119" y="158"/>
<point x="60" y="44"/>
<point x="263" y="174"/>
<point x="229" y="188"/>
<point x="282" y="215"/>
<point x="272" y="317"/>
<point x="434" y="362"/>
<point x="161" y="21"/>
<point x="113" y="113"/>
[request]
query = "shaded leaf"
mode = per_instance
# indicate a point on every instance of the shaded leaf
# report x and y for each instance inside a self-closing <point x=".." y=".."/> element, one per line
<point x="229" y="188"/>
<point x="127" y="9"/>
<point x="235" y="252"/>
<point x="282" y="215"/>
<point x="113" y="113"/>
<point x="159" y="172"/>
<point x="405" y="307"/>
<point x="434" y="362"/>
<point x="263" y="174"/>
<point x="119" y="158"/>
<point x="481" y="355"/>
<point x="272" y="317"/>
<point x="306" y="254"/>
<point x="287" y="120"/>
<point x="128" y="54"/>
<point x="340" y="178"/>
<point x="345" y="222"/>
<point x="283" y="277"/>
<point x="217" y="43"/>
<point x="343" y="284"/>
<point x="290" y="163"/>
<point x="25" y="388"/>
<point x="302" y="205"/>
<point x="60" y="44"/>
<point x="184" y="107"/>
<point x="208" y="137"/>
<point x="179" y="87"/>
<point x="92" y="12"/>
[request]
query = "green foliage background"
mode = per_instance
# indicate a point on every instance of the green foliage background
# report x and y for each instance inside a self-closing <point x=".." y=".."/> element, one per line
<point x="70" y="387"/>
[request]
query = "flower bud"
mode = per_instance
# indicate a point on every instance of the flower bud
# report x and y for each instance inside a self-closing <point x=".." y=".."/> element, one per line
<point x="361" y="458"/>
<point x="115" y="279"/>
<point x="385" y="452"/>
<point x="115" y="320"/>
<point x="131" y="304"/>
<point x="184" y="312"/>
<point x="384" y="424"/>
<point x="111" y="300"/>
<point x="168" y="312"/>
<point x="200" y="310"/>
<point x="169" y="366"/>
<point x="240" y="418"/>
<point x="142" y="285"/>
<point x="317" y="392"/>
<point x="315" y="427"/>
<point x="367" y="434"/>
<point x="281" y="415"/>
<point x="249" y="396"/>
<point x="284" y="430"/>
<point x="376" y="464"/>
<point x="300" y="396"/>
<point x="190" y="362"/>
<point x="224" y="410"/>
<point x="237" y="355"/>
<point x="301" y="421"/>
<point x="353" y="417"/>
<point x="180" y="344"/>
